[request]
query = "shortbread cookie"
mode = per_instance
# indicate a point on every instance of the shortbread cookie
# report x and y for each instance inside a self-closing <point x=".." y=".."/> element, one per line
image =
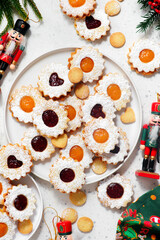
<point x="117" y="87"/>
<point x="120" y="151"/>
<point x="94" y="26"/>
<point x="82" y="91"/>
<point x="112" y="8"/>
<point x="78" y="198"/>
<point x="77" y="150"/>
<point x="128" y="116"/>
<point x="98" y="105"/>
<point x="7" y="227"/>
<point x="60" y="141"/>
<point x="90" y="60"/>
<point x="117" y="39"/>
<point x="50" y="118"/>
<point x="115" y="191"/>
<point x="53" y="81"/>
<point x="75" y="75"/>
<point x="99" y="166"/>
<point x="23" y="101"/>
<point x="85" y="224"/>
<point x="4" y="186"/>
<point x="144" y="56"/>
<point x="20" y="202"/>
<point x="77" y="8"/>
<point x="69" y="214"/>
<point x="39" y="146"/>
<point x="100" y="135"/>
<point x="25" y="227"/>
<point x="15" y="161"/>
<point x="73" y="107"/>
<point x="66" y="175"/>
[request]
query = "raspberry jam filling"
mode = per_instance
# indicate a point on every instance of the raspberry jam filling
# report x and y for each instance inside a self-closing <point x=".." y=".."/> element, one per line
<point x="55" y="81"/>
<point x="3" y="229"/>
<point x="146" y="55"/>
<point x="76" y="152"/>
<point x="115" y="190"/>
<point x="92" y="23"/>
<point x="100" y="135"/>
<point x="97" y="112"/>
<point x="50" y="118"/>
<point x="13" y="162"/>
<point x="1" y="188"/>
<point x="20" y="202"/>
<point x="115" y="150"/>
<point x="77" y="3"/>
<point x="71" y="112"/>
<point x="39" y="143"/>
<point x="27" y="104"/>
<point x="114" y="91"/>
<point x="67" y="175"/>
<point x="86" y="64"/>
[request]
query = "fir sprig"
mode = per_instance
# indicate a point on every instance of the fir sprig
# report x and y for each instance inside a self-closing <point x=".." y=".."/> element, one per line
<point x="34" y="7"/>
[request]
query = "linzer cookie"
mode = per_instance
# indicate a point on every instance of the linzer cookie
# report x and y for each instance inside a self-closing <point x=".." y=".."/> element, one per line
<point x="115" y="191"/>
<point x="117" y="87"/>
<point x="90" y="60"/>
<point x="39" y="146"/>
<point x="77" y="150"/>
<point x="66" y="175"/>
<point x="144" y="56"/>
<point x="7" y="227"/>
<point x="4" y="185"/>
<point x="53" y="81"/>
<point x="15" y="161"/>
<point x="23" y="101"/>
<point x="77" y="8"/>
<point x="100" y="135"/>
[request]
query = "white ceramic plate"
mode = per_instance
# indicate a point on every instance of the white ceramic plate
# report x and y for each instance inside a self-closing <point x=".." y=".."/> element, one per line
<point x="37" y="214"/>
<point x="29" y="75"/>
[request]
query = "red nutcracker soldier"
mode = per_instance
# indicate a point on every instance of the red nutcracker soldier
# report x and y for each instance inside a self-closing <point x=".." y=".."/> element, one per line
<point x="12" y="45"/>
<point x="64" y="230"/>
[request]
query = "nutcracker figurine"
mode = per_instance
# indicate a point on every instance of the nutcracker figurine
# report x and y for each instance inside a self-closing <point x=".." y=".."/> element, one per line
<point x="150" y="142"/>
<point x="12" y="45"/>
<point x="64" y="230"/>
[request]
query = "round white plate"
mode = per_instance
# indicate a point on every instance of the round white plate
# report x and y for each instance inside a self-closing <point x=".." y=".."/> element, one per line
<point x="37" y="214"/>
<point x="29" y="75"/>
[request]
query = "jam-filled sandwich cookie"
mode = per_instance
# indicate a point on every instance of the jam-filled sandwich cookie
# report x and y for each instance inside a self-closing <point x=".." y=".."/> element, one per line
<point x="90" y="60"/>
<point x="53" y="81"/>
<point x="67" y="175"/>
<point x="50" y="118"/>
<point x="117" y="87"/>
<point x="77" y="8"/>
<point x="144" y="57"/>
<point x="94" y="26"/>
<point x="73" y="106"/>
<point x="115" y="192"/>
<point x="20" y="202"/>
<point x="77" y="150"/>
<point x="39" y="146"/>
<point x="7" y="227"/>
<point x="15" y="161"/>
<point x="98" y="105"/>
<point x="119" y="152"/>
<point x="23" y="101"/>
<point x="100" y="135"/>
<point x="4" y="185"/>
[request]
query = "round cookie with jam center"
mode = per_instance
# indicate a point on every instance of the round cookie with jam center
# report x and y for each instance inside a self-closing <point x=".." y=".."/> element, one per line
<point x="20" y="202"/>
<point x="53" y="81"/>
<point x="39" y="146"/>
<point x="77" y="8"/>
<point x="117" y="87"/>
<point x="4" y="186"/>
<point x="50" y="118"/>
<point x="77" y="150"/>
<point x="115" y="191"/>
<point x="90" y="60"/>
<point x="7" y="227"/>
<point x="15" y="161"/>
<point x="23" y="101"/>
<point x="144" y="56"/>
<point x="66" y="175"/>
<point x="100" y="135"/>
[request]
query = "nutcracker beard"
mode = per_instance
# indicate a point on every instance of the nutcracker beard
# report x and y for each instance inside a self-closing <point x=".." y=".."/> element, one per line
<point x="154" y="134"/>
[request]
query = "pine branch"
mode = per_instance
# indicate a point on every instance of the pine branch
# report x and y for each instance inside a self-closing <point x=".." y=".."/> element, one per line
<point x="158" y="25"/>
<point x="35" y="9"/>
<point x="7" y="8"/>
<point x="25" y="3"/>
<point x="1" y="13"/>
<point x="144" y="3"/>
<point x="150" y="17"/>
<point x="19" y="9"/>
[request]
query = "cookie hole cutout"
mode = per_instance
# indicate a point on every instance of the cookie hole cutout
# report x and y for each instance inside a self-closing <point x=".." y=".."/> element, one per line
<point x="3" y="229"/>
<point x="39" y="143"/>
<point x="55" y="81"/>
<point x="20" y="202"/>
<point x="97" y="112"/>
<point x="76" y="152"/>
<point x="1" y="188"/>
<point x="50" y="118"/>
<point x="13" y="162"/>
<point x="114" y="92"/>
<point x="100" y="135"/>
<point x="27" y="104"/>
<point x="115" y="190"/>
<point x="77" y="3"/>
<point x="67" y="175"/>
<point x="71" y="112"/>
<point x="92" y="23"/>
<point x="146" y="55"/>
<point x="87" y="64"/>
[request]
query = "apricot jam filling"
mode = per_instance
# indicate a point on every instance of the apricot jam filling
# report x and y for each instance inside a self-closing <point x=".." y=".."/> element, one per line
<point x="1" y="188"/>
<point x="146" y="55"/>
<point x="100" y="135"/>
<point x="71" y="112"/>
<point x="114" y="91"/>
<point x="27" y="104"/>
<point x="3" y="229"/>
<point x="76" y="152"/>
<point x="77" y="3"/>
<point x="87" y="64"/>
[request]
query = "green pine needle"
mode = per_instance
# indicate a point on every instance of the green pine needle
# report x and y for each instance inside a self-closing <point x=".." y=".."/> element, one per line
<point x="150" y="18"/>
<point x="144" y="3"/>
<point x="25" y="3"/>
<point x="35" y="9"/>
<point x="19" y="9"/>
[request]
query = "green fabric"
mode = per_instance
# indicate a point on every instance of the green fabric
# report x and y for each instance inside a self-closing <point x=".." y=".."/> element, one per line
<point x="141" y="220"/>
<point x="146" y="135"/>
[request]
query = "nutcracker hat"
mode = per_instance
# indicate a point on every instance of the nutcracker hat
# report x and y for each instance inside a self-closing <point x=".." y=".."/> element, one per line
<point x="141" y="220"/>
<point x="64" y="228"/>
<point x="21" y="26"/>
<point x="155" y="108"/>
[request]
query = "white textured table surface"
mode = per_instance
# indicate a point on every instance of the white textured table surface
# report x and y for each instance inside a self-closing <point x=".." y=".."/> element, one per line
<point x="57" y="31"/>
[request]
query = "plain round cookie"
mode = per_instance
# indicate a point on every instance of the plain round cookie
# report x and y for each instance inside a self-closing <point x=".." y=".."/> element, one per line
<point x="25" y="227"/>
<point x="78" y="198"/>
<point x="112" y="8"/>
<point x="85" y="224"/>
<point x="98" y="166"/>
<point x="69" y="214"/>
<point x="117" y="39"/>
<point x="75" y="75"/>
<point x="82" y="91"/>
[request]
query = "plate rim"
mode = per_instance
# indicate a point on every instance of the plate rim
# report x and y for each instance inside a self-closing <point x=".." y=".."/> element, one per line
<point x="57" y="50"/>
